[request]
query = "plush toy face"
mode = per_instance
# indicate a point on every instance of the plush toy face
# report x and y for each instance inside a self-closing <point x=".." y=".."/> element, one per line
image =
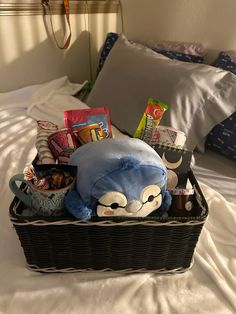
<point x="118" y="178"/>
<point x="132" y="189"/>
<point x="116" y="204"/>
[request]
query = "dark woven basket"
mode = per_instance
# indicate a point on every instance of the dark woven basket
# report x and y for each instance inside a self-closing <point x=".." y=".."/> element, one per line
<point x="64" y="244"/>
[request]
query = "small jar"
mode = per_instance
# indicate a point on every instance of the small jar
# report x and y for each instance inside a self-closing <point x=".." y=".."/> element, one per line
<point x="182" y="202"/>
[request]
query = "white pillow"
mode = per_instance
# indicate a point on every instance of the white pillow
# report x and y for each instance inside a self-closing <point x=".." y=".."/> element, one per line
<point x="199" y="96"/>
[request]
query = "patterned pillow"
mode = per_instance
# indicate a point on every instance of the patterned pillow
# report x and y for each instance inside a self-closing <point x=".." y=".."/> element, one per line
<point x="109" y="43"/>
<point x="194" y="56"/>
<point x="222" y="137"/>
<point x="180" y="56"/>
<point x="226" y="61"/>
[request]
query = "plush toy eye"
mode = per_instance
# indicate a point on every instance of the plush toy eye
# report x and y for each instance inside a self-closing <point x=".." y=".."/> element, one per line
<point x="149" y="193"/>
<point x="112" y="204"/>
<point x="150" y="198"/>
<point x="113" y="200"/>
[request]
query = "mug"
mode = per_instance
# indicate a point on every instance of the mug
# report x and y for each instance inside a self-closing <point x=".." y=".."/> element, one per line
<point x="62" y="144"/>
<point x="43" y="202"/>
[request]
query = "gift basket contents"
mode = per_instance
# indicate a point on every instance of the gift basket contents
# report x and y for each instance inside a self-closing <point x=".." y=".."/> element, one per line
<point x="47" y="186"/>
<point x="93" y="202"/>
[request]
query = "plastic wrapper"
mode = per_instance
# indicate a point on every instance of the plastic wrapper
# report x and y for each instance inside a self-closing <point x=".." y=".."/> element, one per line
<point x="150" y="119"/>
<point x="95" y="119"/>
<point x="167" y="135"/>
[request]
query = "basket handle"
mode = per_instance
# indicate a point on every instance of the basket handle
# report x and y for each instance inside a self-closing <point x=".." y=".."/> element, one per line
<point x="26" y="199"/>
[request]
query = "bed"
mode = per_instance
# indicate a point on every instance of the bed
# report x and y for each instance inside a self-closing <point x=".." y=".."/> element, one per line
<point x="208" y="286"/>
<point x="210" y="282"/>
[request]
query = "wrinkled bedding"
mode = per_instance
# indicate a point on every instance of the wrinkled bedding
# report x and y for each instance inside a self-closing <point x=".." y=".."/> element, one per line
<point x="209" y="286"/>
<point x="217" y="171"/>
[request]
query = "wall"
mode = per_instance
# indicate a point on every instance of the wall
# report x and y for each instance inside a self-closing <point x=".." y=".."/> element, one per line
<point x="211" y="22"/>
<point x="29" y="56"/>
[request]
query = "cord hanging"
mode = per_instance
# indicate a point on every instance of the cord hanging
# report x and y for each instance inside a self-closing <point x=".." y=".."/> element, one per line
<point x="46" y="6"/>
<point x="121" y="17"/>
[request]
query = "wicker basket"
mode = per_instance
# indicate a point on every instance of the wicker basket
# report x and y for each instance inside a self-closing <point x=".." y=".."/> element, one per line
<point x="65" y="244"/>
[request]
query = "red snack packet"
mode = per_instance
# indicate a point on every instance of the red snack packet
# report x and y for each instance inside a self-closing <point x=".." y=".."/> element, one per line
<point x="78" y="119"/>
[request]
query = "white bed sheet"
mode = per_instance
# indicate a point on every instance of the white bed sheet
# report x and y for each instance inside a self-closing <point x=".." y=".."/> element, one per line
<point x="218" y="172"/>
<point x="209" y="286"/>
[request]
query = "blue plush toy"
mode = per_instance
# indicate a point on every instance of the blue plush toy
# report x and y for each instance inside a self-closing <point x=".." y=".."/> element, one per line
<point x="118" y="177"/>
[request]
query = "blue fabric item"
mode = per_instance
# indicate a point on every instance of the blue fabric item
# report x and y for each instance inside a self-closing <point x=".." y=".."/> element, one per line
<point x="225" y="62"/>
<point x="108" y="44"/>
<point x="76" y="207"/>
<point x="126" y="166"/>
<point x="112" y="38"/>
<point x="222" y="137"/>
<point x="102" y="166"/>
<point x="180" y="56"/>
<point x="167" y="202"/>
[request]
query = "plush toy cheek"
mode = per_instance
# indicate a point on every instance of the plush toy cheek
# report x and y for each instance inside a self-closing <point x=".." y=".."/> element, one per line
<point x="104" y="211"/>
<point x="156" y="203"/>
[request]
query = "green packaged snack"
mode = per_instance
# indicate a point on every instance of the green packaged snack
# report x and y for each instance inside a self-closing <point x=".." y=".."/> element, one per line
<point x="150" y="119"/>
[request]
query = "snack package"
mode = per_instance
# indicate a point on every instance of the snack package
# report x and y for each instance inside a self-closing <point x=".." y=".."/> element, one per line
<point x="62" y="144"/>
<point x="151" y="118"/>
<point x="167" y="135"/>
<point x="90" y="133"/>
<point x="45" y="129"/>
<point x="89" y="125"/>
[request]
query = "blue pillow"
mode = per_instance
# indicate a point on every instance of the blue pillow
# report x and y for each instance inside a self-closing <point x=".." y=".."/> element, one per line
<point x="109" y="43"/>
<point x="222" y="137"/>
<point x="112" y="38"/>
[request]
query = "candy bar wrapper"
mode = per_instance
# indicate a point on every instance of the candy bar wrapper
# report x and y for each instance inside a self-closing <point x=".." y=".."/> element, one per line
<point x="98" y="117"/>
<point x="151" y="118"/>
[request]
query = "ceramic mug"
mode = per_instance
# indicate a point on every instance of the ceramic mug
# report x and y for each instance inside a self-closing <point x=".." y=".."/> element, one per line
<point x="43" y="202"/>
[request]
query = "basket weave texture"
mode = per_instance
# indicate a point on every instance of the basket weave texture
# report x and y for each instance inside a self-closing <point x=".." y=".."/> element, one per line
<point x="64" y="244"/>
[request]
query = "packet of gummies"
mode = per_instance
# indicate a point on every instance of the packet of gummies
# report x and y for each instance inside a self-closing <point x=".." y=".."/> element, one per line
<point x="150" y="119"/>
<point x="79" y="119"/>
